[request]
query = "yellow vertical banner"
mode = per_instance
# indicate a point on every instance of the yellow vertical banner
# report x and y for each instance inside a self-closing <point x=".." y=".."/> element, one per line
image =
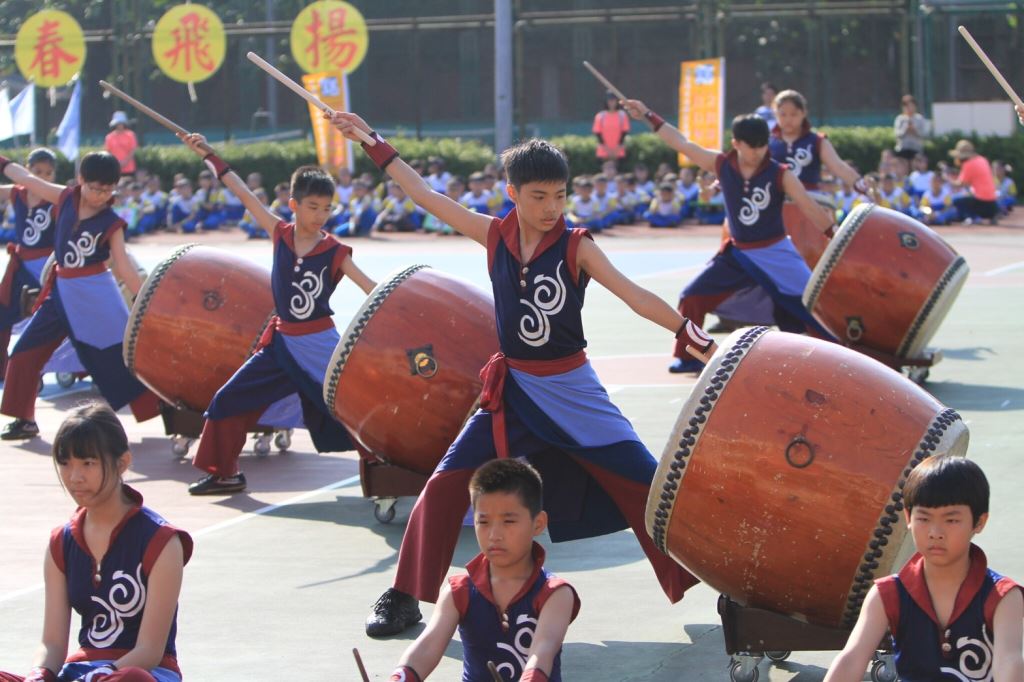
<point x="702" y="103"/>
<point x="333" y="150"/>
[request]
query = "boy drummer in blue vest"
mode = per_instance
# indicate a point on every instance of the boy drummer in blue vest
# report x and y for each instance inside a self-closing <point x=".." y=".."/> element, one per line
<point x="951" y="617"/>
<point x="81" y="299"/>
<point x="508" y="608"/>
<point x="541" y="398"/>
<point x="758" y="253"/>
<point x="292" y="357"/>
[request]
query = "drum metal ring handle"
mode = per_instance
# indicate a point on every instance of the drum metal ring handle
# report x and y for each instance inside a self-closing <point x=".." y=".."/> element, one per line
<point x="794" y="450"/>
<point x="212" y="300"/>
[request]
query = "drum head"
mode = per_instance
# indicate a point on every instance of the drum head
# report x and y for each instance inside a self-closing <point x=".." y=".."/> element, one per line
<point x="833" y="252"/>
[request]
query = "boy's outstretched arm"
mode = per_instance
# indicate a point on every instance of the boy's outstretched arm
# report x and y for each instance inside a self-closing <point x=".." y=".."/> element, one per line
<point x="470" y="223"/>
<point x="643" y="302"/>
<point x="423" y="655"/>
<point x="260" y="213"/>
<point x="352" y="271"/>
<point x="794" y="189"/>
<point x="852" y="661"/>
<point x="551" y="628"/>
<point x="21" y="176"/>
<point x="1008" y="622"/>
<point x="670" y="135"/>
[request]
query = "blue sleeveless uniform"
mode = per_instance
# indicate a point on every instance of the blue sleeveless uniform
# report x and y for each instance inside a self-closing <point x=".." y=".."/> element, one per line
<point x="292" y="358"/>
<point x="33" y="226"/>
<point x="503" y="638"/>
<point x="111" y="597"/>
<point x="926" y="652"/>
<point x="803" y="156"/>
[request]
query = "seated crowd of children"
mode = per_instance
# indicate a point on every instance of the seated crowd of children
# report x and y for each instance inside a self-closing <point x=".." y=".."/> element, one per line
<point x="598" y="202"/>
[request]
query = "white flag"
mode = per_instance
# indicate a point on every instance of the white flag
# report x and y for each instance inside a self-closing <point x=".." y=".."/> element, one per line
<point x="23" y="111"/>
<point x="6" y="122"/>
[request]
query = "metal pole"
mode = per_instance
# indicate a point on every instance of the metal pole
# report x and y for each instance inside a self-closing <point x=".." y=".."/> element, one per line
<point x="271" y="51"/>
<point x="503" y="86"/>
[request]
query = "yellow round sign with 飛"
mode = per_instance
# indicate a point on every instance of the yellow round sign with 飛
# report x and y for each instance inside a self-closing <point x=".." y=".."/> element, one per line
<point x="50" y="48"/>
<point x="329" y="36"/>
<point x="189" y="43"/>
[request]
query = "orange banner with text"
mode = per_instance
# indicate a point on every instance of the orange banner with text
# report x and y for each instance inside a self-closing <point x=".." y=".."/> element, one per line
<point x="333" y="150"/>
<point x="702" y="103"/>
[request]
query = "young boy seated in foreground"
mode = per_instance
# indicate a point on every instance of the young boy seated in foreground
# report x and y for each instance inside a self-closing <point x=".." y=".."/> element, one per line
<point x="951" y="617"/>
<point x="507" y="598"/>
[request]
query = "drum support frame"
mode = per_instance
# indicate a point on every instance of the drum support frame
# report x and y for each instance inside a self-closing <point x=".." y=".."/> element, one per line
<point x="384" y="483"/>
<point x="184" y="426"/>
<point x="917" y="369"/>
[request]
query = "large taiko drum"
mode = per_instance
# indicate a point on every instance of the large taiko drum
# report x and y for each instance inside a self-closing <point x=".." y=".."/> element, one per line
<point x="405" y="375"/>
<point x="807" y="237"/>
<point x="195" y="322"/>
<point x="885" y="281"/>
<point x="781" y="485"/>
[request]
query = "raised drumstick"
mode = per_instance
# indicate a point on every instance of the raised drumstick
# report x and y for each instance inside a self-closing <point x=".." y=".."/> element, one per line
<point x="359" y="662"/>
<point x="991" y="67"/>
<point x="158" y="117"/>
<point x="494" y="671"/>
<point x="301" y="92"/>
<point x="604" y="81"/>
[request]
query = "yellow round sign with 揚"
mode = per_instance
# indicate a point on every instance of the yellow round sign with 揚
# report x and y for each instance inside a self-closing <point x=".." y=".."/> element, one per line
<point x="331" y="36"/>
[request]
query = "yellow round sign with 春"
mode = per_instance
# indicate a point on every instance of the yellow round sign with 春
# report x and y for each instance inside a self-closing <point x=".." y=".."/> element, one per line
<point x="329" y="36"/>
<point x="50" y="48"/>
<point x="189" y="43"/>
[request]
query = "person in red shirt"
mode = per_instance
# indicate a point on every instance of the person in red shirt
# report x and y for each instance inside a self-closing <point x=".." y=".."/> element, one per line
<point x="611" y="127"/>
<point x="976" y="177"/>
<point x="122" y="143"/>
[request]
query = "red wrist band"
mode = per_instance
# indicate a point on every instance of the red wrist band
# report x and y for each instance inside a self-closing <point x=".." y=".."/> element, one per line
<point x="381" y="154"/>
<point x="534" y="675"/>
<point x="694" y="336"/>
<point x="41" y="674"/>
<point x="831" y="231"/>
<point x="654" y="119"/>
<point x="216" y="164"/>
<point x="404" y="673"/>
<point x="860" y="186"/>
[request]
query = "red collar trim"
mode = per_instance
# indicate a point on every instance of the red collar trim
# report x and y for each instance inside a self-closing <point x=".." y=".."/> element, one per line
<point x="912" y="577"/>
<point x="321" y="246"/>
<point x="508" y="228"/>
<point x="480" y="573"/>
<point x="78" y="520"/>
<point x="732" y="157"/>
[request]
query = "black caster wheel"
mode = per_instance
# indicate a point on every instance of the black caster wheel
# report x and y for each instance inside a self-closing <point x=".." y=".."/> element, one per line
<point x="777" y="656"/>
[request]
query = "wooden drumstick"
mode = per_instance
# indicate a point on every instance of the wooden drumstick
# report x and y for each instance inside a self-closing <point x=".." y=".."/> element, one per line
<point x="302" y="92"/>
<point x="359" y="662"/>
<point x="494" y="671"/>
<point x="991" y="67"/>
<point x="156" y="116"/>
<point x="604" y="81"/>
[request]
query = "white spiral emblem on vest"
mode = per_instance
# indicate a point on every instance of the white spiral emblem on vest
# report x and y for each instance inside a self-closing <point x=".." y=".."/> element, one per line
<point x="310" y="286"/>
<point x="127" y="597"/>
<point x="548" y="299"/>
<point x="38" y="221"/>
<point x="755" y="203"/>
<point x="800" y="159"/>
<point x="81" y="248"/>
<point x="975" y="659"/>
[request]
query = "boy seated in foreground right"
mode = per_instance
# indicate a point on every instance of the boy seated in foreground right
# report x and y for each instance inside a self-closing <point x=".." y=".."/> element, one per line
<point x="951" y="617"/>
<point x="507" y="597"/>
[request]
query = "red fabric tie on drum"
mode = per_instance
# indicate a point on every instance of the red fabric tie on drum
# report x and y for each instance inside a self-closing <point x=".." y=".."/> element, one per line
<point x="493" y="376"/>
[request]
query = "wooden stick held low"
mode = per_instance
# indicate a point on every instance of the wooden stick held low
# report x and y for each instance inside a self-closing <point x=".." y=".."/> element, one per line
<point x="156" y="116"/>
<point x="990" y="66"/>
<point x="359" y="662"/>
<point x="301" y="92"/>
<point x="604" y="81"/>
<point x="494" y="671"/>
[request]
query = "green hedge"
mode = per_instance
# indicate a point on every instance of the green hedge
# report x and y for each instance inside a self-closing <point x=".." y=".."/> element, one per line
<point x="276" y="160"/>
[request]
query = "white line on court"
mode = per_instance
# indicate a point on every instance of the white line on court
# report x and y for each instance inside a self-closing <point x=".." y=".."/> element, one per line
<point x="1005" y="269"/>
<point x="224" y="524"/>
<point x="616" y="388"/>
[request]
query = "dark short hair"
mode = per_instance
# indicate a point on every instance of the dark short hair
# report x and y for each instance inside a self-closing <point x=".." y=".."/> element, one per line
<point x="534" y="161"/>
<point x="101" y="167"/>
<point x="750" y="128"/>
<point x="42" y="154"/>
<point x="91" y="431"/>
<point x="945" y="480"/>
<point x="768" y="85"/>
<point x="508" y="476"/>
<point x="791" y="97"/>
<point x="311" y="181"/>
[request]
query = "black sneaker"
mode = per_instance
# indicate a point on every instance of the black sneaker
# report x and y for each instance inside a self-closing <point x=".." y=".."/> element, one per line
<point x="20" y="429"/>
<point x="394" y="611"/>
<point x="218" y="485"/>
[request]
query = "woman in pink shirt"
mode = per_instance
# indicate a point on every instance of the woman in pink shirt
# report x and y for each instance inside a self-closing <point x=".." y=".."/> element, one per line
<point x="975" y="176"/>
<point x="611" y="127"/>
<point x="121" y="142"/>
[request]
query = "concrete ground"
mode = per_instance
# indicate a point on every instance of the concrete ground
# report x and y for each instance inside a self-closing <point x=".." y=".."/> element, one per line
<point x="283" y="575"/>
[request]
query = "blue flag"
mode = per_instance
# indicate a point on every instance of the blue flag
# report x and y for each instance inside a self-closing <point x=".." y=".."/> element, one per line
<point x="69" y="131"/>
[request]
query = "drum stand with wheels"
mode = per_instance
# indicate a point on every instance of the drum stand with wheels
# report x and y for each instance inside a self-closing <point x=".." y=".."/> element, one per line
<point x="753" y="634"/>
<point x="916" y="369"/>
<point x="184" y="426"/>
<point x="384" y="483"/>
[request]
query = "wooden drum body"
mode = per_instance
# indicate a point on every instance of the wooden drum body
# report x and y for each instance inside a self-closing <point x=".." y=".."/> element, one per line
<point x="195" y="321"/>
<point x="885" y="281"/>
<point x="781" y="484"/>
<point x="807" y="237"/>
<point x="405" y="375"/>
